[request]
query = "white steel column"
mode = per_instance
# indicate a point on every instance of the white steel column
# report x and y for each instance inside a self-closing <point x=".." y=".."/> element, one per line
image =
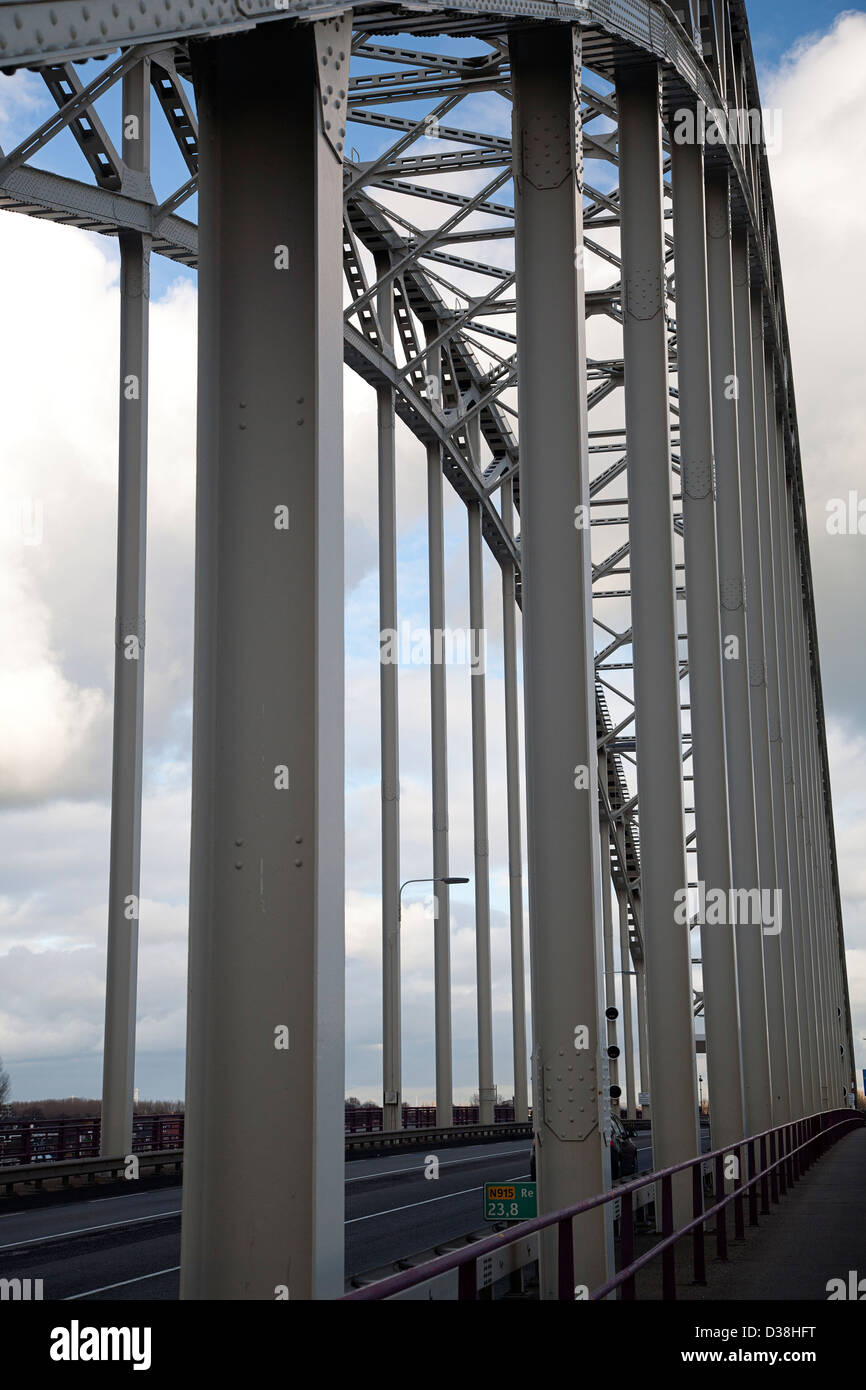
<point x="654" y="623"/>
<point x="392" y="1112"/>
<point x="569" y="1107"/>
<point x="484" y="985"/>
<point x="439" y="754"/>
<point x="264" y="1144"/>
<point x="811" y="944"/>
<point x="515" y="848"/>
<point x="118" y="1063"/>
<point x="718" y="954"/>
<point x="819" y="922"/>
<point x="765" y="445"/>
<point x="802" y="956"/>
<point x="642" y="1034"/>
<point x="744" y="845"/>
<point x="753" y="567"/>
<point x="627" y="1016"/>
<point x="607" y="925"/>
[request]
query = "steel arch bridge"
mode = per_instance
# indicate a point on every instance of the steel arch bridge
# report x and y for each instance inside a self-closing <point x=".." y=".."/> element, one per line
<point x="637" y="478"/>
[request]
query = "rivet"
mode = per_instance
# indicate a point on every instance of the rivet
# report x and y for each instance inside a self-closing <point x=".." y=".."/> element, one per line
<point x="298" y="863"/>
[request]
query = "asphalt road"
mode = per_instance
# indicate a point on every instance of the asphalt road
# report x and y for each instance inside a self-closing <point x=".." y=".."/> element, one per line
<point x="128" y="1247"/>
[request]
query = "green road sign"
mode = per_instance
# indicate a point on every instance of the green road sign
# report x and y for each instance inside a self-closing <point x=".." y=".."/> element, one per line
<point x="510" y="1201"/>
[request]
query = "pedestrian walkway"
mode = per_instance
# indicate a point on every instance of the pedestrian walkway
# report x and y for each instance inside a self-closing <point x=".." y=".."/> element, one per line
<point x="817" y="1233"/>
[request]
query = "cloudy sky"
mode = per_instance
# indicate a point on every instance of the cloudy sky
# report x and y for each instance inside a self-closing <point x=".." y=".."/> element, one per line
<point x="58" y="356"/>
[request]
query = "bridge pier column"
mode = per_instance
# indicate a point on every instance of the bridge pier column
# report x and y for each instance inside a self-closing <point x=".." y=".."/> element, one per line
<point x="392" y="1111"/>
<point x="745" y="871"/>
<point x="819" y="921"/>
<point x="439" y="768"/>
<point x="607" y="924"/>
<point x="749" y="409"/>
<point x="765" y="447"/>
<point x="477" y="681"/>
<point x="627" y="1015"/>
<point x="805" y="987"/>
<point x="811" y="916"/>
<point x="118" y="1065"/>
<point x="674" y="1100"/>
<point x="515" y="851"/>
<point x="718" y="954"/>
<point x="569" y="1106"/>
<point x="642" y="1037"/>
<point x="264" y="1151"/>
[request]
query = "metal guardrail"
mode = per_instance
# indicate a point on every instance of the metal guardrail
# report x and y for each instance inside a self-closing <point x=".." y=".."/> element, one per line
<point x="791" y="1149"/>
<point x="386" y="1141"/>
<point x="35" y="1175"/>
<point x="36" y="1142"/>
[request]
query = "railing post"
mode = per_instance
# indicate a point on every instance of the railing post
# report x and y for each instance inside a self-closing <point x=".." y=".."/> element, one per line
<point x="467" y="1282"/>
<point x="699" y="1262"/>
<point x="565" y="1260"/>
<point x="739" y="1228"/>
<point x="722" y="1215"/>
<point x="765" y="1182"/>
<point x="626" y="1244"/>
<point x="774" y="1172"/>
<point x="783" y="1155"/>
<point x="669" y="1266"/>
<point x="753" y="1186"/>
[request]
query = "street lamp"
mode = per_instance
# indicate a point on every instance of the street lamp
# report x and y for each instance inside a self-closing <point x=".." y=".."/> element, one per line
<point x="422" y="880"/>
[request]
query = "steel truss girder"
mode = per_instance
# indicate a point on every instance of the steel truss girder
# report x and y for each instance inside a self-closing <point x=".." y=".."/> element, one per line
<point x="64" y="30"/>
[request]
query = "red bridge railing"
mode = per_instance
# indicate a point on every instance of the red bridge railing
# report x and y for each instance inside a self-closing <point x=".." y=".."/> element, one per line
<point x="69" y="1137"/>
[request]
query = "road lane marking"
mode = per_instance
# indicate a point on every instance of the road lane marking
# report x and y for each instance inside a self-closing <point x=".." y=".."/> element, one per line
<point x="85" y="1230"/>
<point x="419" y="1168"/>
<point x="71" y="1297"/>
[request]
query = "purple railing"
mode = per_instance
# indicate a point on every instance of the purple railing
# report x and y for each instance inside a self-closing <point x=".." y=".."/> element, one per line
<point x="784" y="1154"/>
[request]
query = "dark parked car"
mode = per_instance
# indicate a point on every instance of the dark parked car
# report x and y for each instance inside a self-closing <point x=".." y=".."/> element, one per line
<point x="623" y="1151"/>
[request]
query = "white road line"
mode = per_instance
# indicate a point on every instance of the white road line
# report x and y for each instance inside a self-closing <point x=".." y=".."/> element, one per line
<point x="425" y="1203"/>
<point x="112" y="1225"/>
<point x="71" y="1297"/>
<point x="90" y="1202"/>
<point x="86" y="1230"/>
<point x="419" y="1168"/>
